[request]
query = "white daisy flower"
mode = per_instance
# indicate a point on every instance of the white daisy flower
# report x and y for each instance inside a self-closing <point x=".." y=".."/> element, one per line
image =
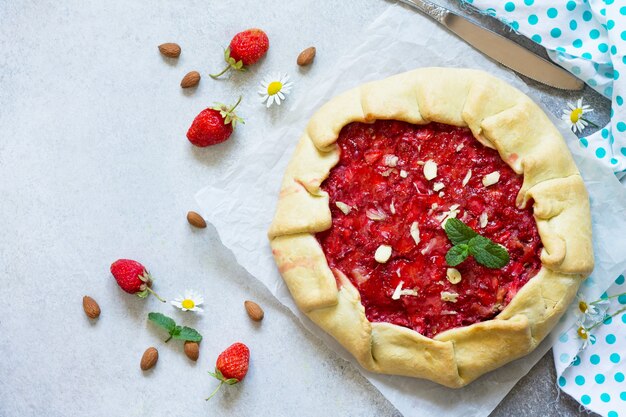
<point x="274" y="89"/>
<point x="573" y="116"/>
<point x="589" y="314"/>
<point x="189" y="302"/>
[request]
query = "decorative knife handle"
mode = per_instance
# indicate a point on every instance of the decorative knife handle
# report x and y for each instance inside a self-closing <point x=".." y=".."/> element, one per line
<point x="431" y="9"/>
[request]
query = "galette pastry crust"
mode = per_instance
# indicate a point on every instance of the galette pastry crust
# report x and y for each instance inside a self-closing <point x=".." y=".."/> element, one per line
<point x="500" y="117"/>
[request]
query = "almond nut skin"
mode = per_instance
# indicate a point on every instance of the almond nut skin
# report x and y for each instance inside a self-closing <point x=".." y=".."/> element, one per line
<point x="196" y="220"/>
<point x="190" y="80"/>
<point x="254" y="310"/>
<point x="149" y="358"/>
<point x="306" y="57"/>
<point x="192" y="350"/>
<point x="170" y="50"/>
<point x="91" y="307"/>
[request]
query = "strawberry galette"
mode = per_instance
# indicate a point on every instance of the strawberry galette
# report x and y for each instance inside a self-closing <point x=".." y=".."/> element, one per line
<point x="434" y="223"/>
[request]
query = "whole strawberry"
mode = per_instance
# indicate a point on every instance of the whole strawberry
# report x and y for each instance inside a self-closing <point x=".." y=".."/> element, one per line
<point x="213" y="125"/>
<point x="133" y="278"/>
<point x="245" y="49"/>
<point x="231" y="366"/>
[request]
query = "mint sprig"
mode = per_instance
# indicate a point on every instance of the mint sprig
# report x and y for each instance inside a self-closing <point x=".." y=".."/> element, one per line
<point x="467" y="242"/>
<point x="176" y="332"/>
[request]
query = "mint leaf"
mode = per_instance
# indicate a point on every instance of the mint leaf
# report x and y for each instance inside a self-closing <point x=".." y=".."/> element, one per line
<point x="488" y="253"/>
<point x="458" y="232"/>
<point x="188" y="334"/>
<point x="162" y="320"/>
<point x="457" y="254"/>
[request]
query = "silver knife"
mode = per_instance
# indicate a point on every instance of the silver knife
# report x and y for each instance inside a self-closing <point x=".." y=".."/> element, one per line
<point x="499" y="48"/>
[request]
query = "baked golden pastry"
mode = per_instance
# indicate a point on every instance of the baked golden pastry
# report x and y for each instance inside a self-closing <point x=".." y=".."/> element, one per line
<point x="361" y="232"/>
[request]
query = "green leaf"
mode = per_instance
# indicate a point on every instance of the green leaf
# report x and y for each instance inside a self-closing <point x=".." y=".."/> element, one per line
<point x="457" y="254"/>
<point x="162" y="320"/>
<point x="189" y="334"/>
<point x="231" y="381"/>
<point x="488" y="253"/>
<point x="458" y="232"/>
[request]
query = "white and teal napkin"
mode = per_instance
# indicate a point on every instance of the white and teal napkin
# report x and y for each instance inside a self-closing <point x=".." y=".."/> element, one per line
<point x="588" y="38"/>
<point x="596" y="375"/>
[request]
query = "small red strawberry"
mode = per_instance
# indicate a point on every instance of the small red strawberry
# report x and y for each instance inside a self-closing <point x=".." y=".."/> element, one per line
<point x="231" y="366"/>
<point x="245" y="49"/>
<point x="133" y="278"/>
<point x="213" y="125"/>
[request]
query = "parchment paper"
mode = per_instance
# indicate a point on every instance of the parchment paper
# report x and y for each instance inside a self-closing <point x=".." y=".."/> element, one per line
<point x="240" y="203"/>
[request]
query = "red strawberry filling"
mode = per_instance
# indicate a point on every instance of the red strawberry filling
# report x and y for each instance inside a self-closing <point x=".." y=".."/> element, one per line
<point x="380" y="195"/>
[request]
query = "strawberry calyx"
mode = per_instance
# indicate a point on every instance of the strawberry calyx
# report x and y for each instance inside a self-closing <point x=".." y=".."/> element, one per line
<point x="145" y="289"/>
<point x="232" y="64"/>
<point x="218" y="375"/>
<point x="228" y="113"/>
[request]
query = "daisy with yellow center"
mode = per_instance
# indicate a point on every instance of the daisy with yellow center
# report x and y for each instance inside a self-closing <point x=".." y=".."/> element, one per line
<point x="189" y="302"/>
<point x="589" y="313"/>
<point x="573" y="116"/>
<point x="274" y="89"/>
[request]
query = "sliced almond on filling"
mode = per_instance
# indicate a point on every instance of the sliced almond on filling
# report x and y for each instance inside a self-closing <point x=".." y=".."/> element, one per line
<point x="491" y="179"/>
<point x="483" y="219"/>
<point x="453" y="275"/>
<point x="415" y="232"/>
<point x="382" y="254"/>
<point x="390" y="160"/>
<point x="403" y="173"/>
<point x="375" y="214"/>
<point x="438" y="186"/>
<point x="398" y="292"/>
<point x="345" y="209"/>
<point x="467" y="177"/>
<point x="430" y="169"/>
<point x="449" y="296"/>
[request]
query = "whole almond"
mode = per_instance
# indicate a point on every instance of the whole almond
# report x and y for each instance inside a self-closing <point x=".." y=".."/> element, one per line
<point x="170" y="50"/>
<point x="91" y="307"/>
<point x="192" y="350"/>
<point x="149" y="358"/>
<point x="190" y="80"/>
<point x="196" y="220"/>
<point x="306" y="57"/>
<point x="254" y="310"/>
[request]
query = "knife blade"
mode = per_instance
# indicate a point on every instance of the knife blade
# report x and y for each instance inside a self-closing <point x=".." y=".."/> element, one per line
<point x="499" y="48"/>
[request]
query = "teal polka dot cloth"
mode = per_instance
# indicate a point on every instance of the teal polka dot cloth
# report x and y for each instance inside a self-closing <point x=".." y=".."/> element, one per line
<point x="596" y="375"/>
<point x="588" y="38"/>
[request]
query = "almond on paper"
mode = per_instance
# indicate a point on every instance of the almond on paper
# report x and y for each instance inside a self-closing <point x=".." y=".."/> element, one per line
<point x="255" y="312"/>
<point x="170" y="50"/>
<point x="190" y="80"/>
<point x="149" y="358"/>
<point x="196" y="220"/>
<point x="192" y="350"/>
<point x="91" y="307"/>
<point x="306" y="57"/>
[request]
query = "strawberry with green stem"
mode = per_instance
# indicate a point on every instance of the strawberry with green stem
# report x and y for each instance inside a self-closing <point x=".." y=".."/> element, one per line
<point x="231" y="366"/>
<point x="133" y="278"/>
<point x="213" y="125"/>
<point x="245" y="49"/>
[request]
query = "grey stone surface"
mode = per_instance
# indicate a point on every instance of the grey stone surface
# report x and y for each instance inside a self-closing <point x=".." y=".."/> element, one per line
<point x="94" y="166"/>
